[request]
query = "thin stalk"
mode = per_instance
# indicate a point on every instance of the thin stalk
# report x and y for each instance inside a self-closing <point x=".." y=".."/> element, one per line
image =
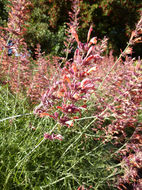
<point x="15" y="116"/>
<point x="112" y="67"/>
<point x="30" y="152"/>
<point x="122" y="53"/>
<point x="41" y="141"/>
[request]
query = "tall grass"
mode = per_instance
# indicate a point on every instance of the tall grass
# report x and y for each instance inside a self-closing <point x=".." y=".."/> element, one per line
<point x="28" y="161"/>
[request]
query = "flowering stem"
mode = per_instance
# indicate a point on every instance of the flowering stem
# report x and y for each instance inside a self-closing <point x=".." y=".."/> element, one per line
<point x="122" y="53"/>
<point x="113" y="66"/>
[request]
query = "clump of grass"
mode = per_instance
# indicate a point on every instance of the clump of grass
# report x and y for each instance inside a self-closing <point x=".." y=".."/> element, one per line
<point x="30" y="161"/>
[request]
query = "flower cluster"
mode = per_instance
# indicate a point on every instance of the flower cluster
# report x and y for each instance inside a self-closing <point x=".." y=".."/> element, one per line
<point x="53" y="137"/>
<point x="76" y="83"/>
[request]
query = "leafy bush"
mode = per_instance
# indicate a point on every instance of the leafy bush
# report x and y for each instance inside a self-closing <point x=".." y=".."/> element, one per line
<point x="114" y="19"/>
<point x="3" y="12"/>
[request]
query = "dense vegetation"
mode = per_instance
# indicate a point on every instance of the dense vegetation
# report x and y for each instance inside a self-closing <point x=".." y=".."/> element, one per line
<point x="47" y="23"/>
<point x="71" y="117"/>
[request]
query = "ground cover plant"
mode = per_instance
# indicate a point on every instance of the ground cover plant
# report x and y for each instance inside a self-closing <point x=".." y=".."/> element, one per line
<point x="70" y="122"/>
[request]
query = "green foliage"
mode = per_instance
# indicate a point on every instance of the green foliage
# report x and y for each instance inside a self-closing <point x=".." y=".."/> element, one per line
<point x="47" y="26"/>
<point x="27" y="161"/>
<point x="3" y="12"/>
<point x="114" y="19"/>
<point x="51" y="43"/>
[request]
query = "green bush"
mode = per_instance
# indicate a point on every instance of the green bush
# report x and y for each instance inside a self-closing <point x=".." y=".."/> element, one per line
<point x="114" y="18"/>
<point x="3" y="12"/>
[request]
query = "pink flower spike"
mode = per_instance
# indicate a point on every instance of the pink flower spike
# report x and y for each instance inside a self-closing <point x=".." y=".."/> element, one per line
<point x="89" y="33"/>
<point x="53" y="136"/>
<point x="90" y="50"/>
<point x="70" y="123"/>
<point x="48" y="136"/>
<point x="74" y="33"/>
<point x="85" y="82"/>
<point x="92" y="69"/>
<point x="88" y="59"/>
<point x="59" y="137"/>
<point x="92" y="41"/>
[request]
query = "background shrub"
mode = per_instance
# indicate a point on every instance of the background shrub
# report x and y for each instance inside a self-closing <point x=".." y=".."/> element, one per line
<point x="114" y="19"/>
